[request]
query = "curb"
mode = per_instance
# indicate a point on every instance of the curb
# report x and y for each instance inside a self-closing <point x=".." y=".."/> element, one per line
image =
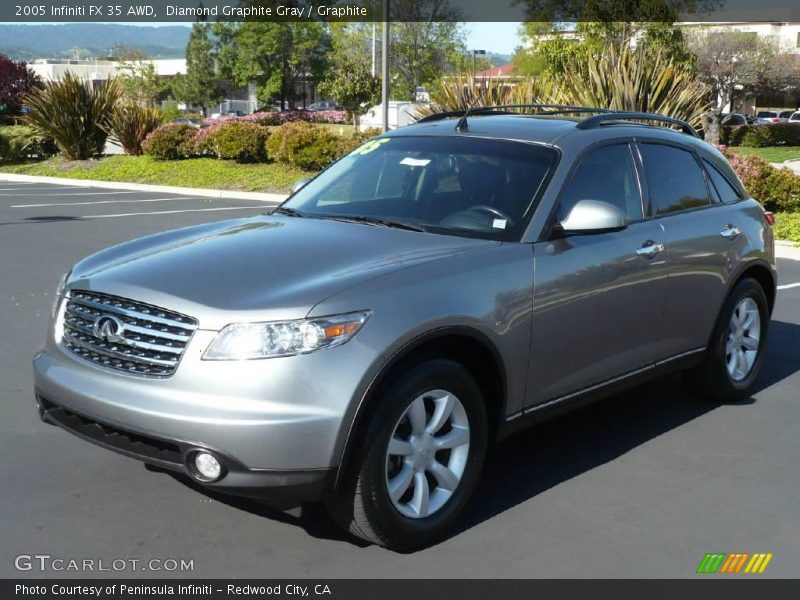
<point x="784" y="249"/>
<point x="145" y="187"/>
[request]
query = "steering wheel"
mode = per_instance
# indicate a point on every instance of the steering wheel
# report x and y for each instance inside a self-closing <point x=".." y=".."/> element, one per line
<point x="495" y="212"/>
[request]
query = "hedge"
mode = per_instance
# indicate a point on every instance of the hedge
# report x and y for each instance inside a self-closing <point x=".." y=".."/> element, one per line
<point x="18" y="142"/>
<point x="761" y="136"/>
<point x="777" y="189"/>
<point x="312" y="148"/>
<point x="272" y="118"/>
<point x="241" y="141"/>
<point x="171" y="142"/>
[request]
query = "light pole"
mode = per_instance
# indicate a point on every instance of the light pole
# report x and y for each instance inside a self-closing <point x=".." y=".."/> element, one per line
<point x="474" y="61"/>
<point x="385" y="67"/>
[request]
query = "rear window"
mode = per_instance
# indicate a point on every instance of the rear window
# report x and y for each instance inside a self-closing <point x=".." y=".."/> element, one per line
<point x="674" y="178"/>
<point x="767" y="114"/>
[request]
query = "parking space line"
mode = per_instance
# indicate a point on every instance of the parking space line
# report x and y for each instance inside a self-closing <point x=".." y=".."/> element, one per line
<point x="788" y="286"/>
<point x="76" y="193"/>
<point x="106" y="202"/>
<point x="171" y="212"/>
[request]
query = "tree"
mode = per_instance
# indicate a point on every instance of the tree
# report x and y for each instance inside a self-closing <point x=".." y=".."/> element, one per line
<point x="274" y="55"/>
<point x="201" y="85"/>
<point x="427" y="42"/>
<point x="731" y="61"/>
<point x="354" y="87"/>
<point x="16" y="81"/>
<point x="138" y="77"/>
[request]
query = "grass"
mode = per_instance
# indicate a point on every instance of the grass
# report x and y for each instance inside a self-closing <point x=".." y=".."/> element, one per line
<point x="787" y="227"/>
<point x="197" y="172"/>
<point x="775" y="154"/>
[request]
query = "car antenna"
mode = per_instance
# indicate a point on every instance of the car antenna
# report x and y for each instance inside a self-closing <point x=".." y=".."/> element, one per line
<point x="462" y="124"/>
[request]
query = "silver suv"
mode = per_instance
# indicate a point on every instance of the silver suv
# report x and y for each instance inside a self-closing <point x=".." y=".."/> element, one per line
<point x="438" y="288"/>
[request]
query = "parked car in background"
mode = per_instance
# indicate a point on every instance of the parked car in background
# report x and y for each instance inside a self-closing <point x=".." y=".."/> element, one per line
<point x="767" y="117"/>
<point x="795" y="118"/>
<point x="324" y="105"/>
<point x="441" y="287"/>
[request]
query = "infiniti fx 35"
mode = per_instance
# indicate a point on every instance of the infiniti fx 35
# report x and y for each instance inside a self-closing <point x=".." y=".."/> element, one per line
<point x="434" y="290"/>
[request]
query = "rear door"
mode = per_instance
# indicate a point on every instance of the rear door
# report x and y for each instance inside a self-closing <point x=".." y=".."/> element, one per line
<point x="598" y="298"/>
<point x="703" y="238"/>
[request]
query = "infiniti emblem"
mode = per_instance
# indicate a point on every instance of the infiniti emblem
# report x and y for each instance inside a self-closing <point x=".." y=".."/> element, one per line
<point x="110" y="329"/>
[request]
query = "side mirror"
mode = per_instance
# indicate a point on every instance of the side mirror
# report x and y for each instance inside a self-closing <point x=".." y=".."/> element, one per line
<point x="593" y="216"/>
<point x="300" y="184"/>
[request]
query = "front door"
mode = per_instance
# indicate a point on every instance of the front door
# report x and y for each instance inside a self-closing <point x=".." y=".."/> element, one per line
<point x="598" y="299"/>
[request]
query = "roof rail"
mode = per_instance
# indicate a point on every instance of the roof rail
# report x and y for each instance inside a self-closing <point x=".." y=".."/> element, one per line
<point x="549" y="109"/>
<point x="606" y="117"/>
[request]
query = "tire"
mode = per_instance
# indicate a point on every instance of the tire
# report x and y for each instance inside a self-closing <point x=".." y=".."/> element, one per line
<point x="713" y="378"/>
<point x="363" y="504"/>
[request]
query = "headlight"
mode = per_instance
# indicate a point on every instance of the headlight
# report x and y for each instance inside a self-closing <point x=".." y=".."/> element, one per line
<point x="243" y="341"/>
<point x="62" y="284"/>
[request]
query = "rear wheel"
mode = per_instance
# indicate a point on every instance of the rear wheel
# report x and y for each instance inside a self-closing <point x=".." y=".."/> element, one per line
<point x="419" y="459"/>
<point x="734" y="358"/>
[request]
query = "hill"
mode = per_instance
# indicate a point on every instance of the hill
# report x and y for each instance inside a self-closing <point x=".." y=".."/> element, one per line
<point x="90" y="40"/>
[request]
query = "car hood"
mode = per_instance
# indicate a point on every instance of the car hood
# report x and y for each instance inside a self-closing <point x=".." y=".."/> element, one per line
<point x="261" y="268"/>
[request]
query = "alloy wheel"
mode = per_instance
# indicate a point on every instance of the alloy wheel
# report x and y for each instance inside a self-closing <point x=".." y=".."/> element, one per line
<point x="744" y="333"/>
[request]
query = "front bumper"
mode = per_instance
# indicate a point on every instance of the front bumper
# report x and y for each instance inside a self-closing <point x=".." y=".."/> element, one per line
<point x="277" y="425"/>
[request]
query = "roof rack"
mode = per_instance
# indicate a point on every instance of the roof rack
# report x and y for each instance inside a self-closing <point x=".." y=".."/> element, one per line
<point x="610" y="117"/>
<point x="603" y="115"/>
<point x="550" y="109"/>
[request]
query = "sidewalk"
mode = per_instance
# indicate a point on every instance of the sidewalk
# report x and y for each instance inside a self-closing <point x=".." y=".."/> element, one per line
<point x="144" y="187"/>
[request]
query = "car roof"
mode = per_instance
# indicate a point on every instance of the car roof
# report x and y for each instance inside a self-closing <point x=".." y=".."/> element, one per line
<point x="557" y="131"/>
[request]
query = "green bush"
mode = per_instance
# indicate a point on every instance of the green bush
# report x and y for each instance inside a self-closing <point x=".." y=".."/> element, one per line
<point x="787" y="227"/>
<point x="74" y="113"/>
<point x="761" y="136"/>
<point x="311" y="147"/>
<point x="235" y="140"/>
<point x="171" y="142"/>
<point x="18" y="142"/>
<point x="776" y="189"/>
<point x="130" y="124"/>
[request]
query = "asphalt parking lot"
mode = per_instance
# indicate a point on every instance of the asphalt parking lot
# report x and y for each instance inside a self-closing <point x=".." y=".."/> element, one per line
<point x="641" y="485"/>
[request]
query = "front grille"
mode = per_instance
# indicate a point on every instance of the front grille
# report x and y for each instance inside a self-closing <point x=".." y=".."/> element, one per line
<point x="143" y="339"/>
<point x="126" y="442"/>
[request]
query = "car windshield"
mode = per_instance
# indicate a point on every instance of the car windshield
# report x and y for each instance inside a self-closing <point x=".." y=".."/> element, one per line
<point x="456" y="185"/>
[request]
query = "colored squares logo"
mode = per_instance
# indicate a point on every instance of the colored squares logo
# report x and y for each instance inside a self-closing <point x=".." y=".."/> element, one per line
<point x="735" y="562"/>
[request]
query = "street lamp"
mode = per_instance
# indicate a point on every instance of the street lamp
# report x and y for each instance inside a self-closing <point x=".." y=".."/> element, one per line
<point x="474" y="64"/>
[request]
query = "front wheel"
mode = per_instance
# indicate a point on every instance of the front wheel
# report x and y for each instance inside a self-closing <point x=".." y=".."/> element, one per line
<point x="734" y="358"/>
<point x="419" y="459"/>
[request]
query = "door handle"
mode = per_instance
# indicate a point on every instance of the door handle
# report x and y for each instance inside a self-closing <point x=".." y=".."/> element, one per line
<point x="650" y="248"/>
<point x="730" y="232"/>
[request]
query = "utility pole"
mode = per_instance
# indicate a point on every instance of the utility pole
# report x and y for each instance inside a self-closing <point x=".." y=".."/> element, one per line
<point x="385" y="67"/>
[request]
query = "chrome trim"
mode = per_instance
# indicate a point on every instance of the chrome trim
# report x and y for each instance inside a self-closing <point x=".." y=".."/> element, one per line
<point x="70" y="337"/>
<point x="681" y="355"/>
<point x="133" y="314"/>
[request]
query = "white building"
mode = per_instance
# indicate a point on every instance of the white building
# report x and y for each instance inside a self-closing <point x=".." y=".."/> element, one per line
<point x="786" y="36"/>
<point x="54" y="69"/>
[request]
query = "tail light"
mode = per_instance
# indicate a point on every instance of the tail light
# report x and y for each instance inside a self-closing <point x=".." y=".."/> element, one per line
<point x="776" y="120"/>
<point x="769" y="218"/>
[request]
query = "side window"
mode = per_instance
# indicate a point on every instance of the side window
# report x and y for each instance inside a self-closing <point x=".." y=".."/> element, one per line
<point x="606" y="173"/>
<point x="674" y="178"/>
<point x="725" y="191"/>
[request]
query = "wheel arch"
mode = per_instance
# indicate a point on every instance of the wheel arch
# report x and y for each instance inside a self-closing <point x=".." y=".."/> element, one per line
<point x="467" y="346"/>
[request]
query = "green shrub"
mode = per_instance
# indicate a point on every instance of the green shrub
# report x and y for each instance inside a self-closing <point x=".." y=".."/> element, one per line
<point x="235" y="140"/>
<point x="18" y="142"/>
<point x="74" y="113"/>
<point x="170" y="111"/>
<point x="130" y="124"/>
<point x="776" y="189"/>
<point x="306" y="146"/>
<point x="761" y="136"/>
<point x="171" y="142"/>
<point x="787" y="227"/>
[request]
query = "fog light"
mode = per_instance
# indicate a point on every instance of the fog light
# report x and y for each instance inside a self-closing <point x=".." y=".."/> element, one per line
<point x="207" y="466"/>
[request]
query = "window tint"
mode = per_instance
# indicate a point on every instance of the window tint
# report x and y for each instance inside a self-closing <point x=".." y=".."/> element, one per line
<point x="606" y="174"/>
<point x="725" y="191"/>
<point x="674" y="178"/>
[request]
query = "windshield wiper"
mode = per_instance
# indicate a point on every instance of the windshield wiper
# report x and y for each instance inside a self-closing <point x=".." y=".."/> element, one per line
<point x="285" y="210"/>
<point x="376" y="221"/>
